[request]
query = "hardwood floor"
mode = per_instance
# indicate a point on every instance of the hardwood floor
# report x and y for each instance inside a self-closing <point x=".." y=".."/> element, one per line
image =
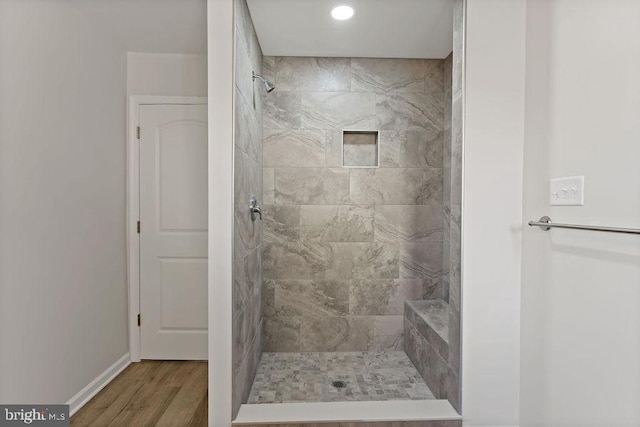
<point x="151" y="393"/>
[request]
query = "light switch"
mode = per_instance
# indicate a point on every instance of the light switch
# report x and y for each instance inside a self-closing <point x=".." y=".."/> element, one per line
<point x="567" y="191"/>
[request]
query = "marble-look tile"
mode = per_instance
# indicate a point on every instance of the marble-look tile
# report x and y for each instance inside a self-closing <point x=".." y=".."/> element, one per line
<point x="368" y="375"/>
<point x="396" y="186"/>
<point x="388" y="333"/>
<point x="431" y="319"/>
<point x="311" y="298"/>
<point x="434" y="76"/>
<point x="390" y="143"/>
<point x="339" y="110"/>
<point x="454" y="236"/>
<point x="456" y="150"/>
<point x="458" y="44"/>
<point x="253" y="271"/>
<point x="246" y="32"/>
<point x="268" y="186"/>
<point x="387" y="75"/>
<point x="454" y="289"/>
<point x="308" y="186"/>
<point x="244" y="69"/>
<point x="431" y="287"/>
<point x="247" y="233"/>
<point x="327" y="223"/>
<point x="294" y="147"/>
<point x="269" y="69"/>
<point x="282" y="110"/>
<point x="268" y="298"/>
<point x="333" y="151"/>
<point x="281" y="224"/>
<point x="453" y="356"/>
<point x="247" y="178"/>
<point x="299" y="260"/>
<point x="422" y="148"/>
<point x="408" y="223"/>
<point x="313" y="74"/>
<point x="360" y="149"/>
<point x="362" y="261"/>
<point x="336" y="333"/>
<point x="409" y="111"/>
<point x="240" y="287"/>
<point x="421" y="260"/>
<point x="248" y="132"/>
<point x="282" y="333"/>
<point x="381" y="297"/>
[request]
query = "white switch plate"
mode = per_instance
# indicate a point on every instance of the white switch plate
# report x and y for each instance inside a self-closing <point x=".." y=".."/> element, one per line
<point x="567" y="191"/>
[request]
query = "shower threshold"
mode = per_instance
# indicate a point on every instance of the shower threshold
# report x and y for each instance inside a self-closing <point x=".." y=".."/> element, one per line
<point x="399" y="413"/>
<point x="337" y="377"/>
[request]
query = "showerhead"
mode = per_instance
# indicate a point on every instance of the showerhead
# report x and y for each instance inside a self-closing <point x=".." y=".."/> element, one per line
<point x="269" y="87"/>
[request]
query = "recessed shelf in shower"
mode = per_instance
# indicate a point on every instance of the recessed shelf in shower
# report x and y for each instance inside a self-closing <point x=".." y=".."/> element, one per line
<point x="361" y="148"/>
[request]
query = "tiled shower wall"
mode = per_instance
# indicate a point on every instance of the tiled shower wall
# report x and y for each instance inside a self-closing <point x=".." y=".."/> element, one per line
<point x="440" y="364"/>
<point x="247" y="275"/>
<point x="344" y="248"/>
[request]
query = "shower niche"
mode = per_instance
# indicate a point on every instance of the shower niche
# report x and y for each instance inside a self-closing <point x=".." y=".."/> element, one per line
<point x="360" y="149"/>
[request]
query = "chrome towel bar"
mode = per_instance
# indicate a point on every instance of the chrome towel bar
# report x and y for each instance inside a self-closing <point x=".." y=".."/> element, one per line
<point x="546" y="224"/>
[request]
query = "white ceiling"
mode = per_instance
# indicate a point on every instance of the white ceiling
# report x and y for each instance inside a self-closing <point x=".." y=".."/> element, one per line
<point x="156" y="26"/>
<point x="378" y="29"/>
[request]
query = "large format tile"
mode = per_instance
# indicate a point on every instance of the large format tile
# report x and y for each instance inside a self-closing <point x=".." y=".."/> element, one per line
<point x="422" y="148"/>
<point x="388" y="333"/>
<point x="434" y="76"/>
<point x="408" y="223"/>
<point x="410" y="111"/>
<point x="336" y="333"/>
<point x="313" y="74"/>
<point x="390" y="143"/>
<point x="381" y="297"/>
<point x="308" y="186"/>
<point x="346" y="223"/>
<point x="297" y="261"/>
<point x="338" y="110"/>
<point x="362" y="261"/>
<point x="458" y="44"/>
<point x="456" y="150"/>
<point x="282" y="110"/>
<point x="282" y="333"/>
<point x="294" y="147"/>
<point x="455" y="236"/>
<point x="387" y="75"/>
<point x="311" y="298"/>
<point x="248" y="131"/>
<point x="268" y="186"/>
<point x="396" y="186"/>
<point x="421" y="260"/>
<point x="281" y="223"/>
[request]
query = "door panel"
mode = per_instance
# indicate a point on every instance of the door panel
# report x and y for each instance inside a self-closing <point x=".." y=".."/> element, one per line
<point x="173" y="236"/>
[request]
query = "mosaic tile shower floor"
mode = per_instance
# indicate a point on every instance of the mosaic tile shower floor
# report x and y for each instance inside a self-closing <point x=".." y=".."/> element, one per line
<point x="308" y="377"/>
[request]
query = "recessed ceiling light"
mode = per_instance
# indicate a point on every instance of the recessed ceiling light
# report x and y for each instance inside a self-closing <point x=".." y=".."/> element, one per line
<point x="342" y="12"/>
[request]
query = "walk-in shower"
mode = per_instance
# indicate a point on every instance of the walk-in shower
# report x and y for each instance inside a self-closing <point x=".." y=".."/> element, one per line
<point x="348" y="289"/>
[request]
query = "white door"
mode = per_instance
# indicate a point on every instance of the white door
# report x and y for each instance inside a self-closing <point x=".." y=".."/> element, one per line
<point x="173" y="232"/>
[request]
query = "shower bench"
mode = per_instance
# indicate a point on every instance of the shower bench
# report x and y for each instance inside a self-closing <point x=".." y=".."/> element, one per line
<point x="426" y="342"/>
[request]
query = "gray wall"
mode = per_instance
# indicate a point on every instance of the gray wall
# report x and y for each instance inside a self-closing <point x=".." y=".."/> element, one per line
<point x="247" y="307"/>
<point x="63" y="283"/>
<point x="344" y="248"/>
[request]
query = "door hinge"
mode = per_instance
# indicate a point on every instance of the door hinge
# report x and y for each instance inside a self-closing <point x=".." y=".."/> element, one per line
<point x="138" y="132"/>
<point x="138" y="227"/>
<point x="138" y="319"/>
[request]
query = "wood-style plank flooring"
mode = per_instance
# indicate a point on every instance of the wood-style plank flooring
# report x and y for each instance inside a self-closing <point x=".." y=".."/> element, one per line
<point x="150" y="393"/>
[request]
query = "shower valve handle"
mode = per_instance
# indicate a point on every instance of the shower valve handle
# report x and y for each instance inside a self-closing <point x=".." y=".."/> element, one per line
<point x="254" y="208"/>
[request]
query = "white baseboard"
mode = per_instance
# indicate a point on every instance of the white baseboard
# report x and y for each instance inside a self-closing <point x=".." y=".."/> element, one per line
<point x="85" y="395"/>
